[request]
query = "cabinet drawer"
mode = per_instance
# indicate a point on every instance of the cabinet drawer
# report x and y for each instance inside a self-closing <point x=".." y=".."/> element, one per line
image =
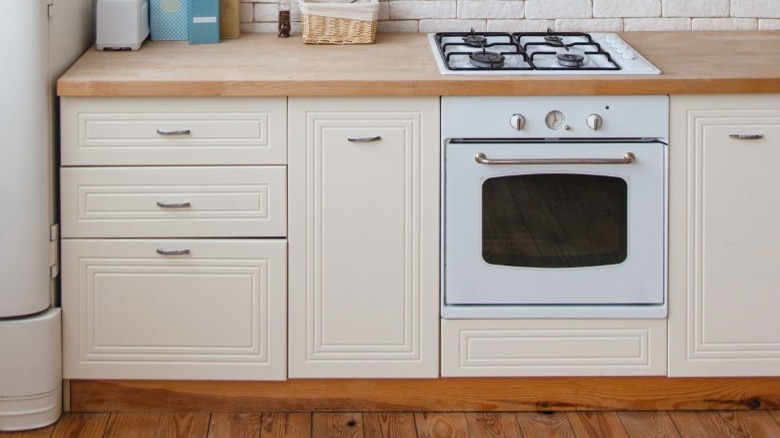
<point x="177" y="131"/>
<point x="553" y="347"/>
<point x="174" y="202"/>
<point x="217" y="312"/>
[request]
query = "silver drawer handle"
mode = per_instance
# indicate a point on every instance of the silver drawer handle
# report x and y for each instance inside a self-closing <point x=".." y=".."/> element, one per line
<point x="746" y="136"/>
<point x="173" y="252"/>
<point x="364" y="139"/>
<point x="628" y="158"/>
<point x="173" y="204"/>
<point x="173" y="131"/>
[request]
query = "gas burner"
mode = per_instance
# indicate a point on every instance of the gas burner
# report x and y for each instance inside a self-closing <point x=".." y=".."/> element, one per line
<point x="554" y="40"/>
<point x="474" y="40"/>
<point x="485" y="59"/>
<point x="571" y="60"/>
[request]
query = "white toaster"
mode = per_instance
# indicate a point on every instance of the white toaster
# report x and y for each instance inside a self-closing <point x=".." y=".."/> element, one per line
<point x="121" y="24"/>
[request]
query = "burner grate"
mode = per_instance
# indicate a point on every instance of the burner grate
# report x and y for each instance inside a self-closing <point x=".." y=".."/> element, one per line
<point x="523" y="51"/>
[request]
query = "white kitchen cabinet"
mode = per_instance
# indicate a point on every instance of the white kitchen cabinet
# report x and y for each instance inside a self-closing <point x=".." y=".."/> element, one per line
<point x="206" y="169"/>
<point x="203" y="309"/>
<point x="553" y="347"/>
<point x="364" y="237"/>
<point x="724" y="245"/>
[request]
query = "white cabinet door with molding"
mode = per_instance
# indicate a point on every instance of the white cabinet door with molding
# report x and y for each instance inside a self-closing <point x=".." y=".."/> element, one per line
<point x="724" y="244"/>
<point x="174" y="309"/>
<point x="364" y="237"/>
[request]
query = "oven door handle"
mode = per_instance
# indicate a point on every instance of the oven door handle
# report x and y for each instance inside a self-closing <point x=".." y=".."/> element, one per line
<point x="628" y="158"/>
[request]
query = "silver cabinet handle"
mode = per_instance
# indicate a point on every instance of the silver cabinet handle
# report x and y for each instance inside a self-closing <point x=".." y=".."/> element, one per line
<point x="364" y="139"/>
<point x="173" y="131"/>
<point x="173" y="204"/>
<point x="628" y="158"/>
<point x="173" y="252"/>
<point x="746" y="136"/>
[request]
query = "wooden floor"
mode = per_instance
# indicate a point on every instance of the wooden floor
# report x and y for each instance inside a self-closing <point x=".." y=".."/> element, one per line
<point x="611" y="424"/>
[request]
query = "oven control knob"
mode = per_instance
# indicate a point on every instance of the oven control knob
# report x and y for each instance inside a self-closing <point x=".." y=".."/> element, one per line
<point x="594" y="122"/>
<point x="517" y="121"/>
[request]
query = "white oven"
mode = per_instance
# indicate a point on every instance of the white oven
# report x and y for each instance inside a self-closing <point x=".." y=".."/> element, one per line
<point x="554" y="206"/>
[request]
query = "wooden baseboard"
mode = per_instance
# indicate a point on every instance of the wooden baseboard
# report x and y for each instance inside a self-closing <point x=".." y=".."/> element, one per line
<point x="447" y="394"/>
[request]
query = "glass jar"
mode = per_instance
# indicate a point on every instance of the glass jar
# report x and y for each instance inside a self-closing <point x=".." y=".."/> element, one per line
<point x="284" y="18"/>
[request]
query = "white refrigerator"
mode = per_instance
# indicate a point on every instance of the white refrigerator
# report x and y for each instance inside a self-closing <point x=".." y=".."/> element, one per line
<point x="41" y="39"/>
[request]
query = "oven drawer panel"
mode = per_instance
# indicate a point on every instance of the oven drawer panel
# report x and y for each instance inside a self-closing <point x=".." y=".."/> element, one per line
<point x="553" y="347"/>
<point x="217" y="311"/>
<point x="174" y="202"/>
<point x="175" y="131"/>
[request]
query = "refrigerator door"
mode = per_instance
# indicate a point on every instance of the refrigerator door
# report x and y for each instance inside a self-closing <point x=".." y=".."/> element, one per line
<point x="25" y="188"/>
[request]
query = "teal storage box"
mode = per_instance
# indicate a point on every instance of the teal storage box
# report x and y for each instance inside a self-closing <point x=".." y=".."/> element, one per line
<point x="204" y="21"/>
<point x="168" y="19"/>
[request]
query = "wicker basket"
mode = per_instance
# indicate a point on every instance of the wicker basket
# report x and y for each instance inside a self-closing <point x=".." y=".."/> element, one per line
<point x="323" y="25"/>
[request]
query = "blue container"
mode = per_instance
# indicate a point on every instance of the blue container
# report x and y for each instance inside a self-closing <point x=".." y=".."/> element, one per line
<point x="204" y="21"/>
<point x="168" y="19"/>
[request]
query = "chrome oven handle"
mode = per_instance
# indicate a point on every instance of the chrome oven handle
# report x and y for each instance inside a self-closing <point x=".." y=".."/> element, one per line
<point x="628" y="158"/>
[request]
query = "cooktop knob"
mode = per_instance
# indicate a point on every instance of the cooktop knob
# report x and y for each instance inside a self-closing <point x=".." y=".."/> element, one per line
<point x="594" y="122"/>
<point x="517" y="121"/>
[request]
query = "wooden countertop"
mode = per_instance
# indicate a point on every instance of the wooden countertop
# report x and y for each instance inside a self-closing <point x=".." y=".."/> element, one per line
<point x="402" y="64"/>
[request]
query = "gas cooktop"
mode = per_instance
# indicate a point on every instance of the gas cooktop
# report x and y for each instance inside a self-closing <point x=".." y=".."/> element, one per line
<point x="536" y="53"/>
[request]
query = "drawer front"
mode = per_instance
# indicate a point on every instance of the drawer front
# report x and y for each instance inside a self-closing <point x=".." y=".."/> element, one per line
<point x="216" y="312"/>
<point x="174" y="202"/>
<point x="176" y="131"/>
<point x="553" y="347"/>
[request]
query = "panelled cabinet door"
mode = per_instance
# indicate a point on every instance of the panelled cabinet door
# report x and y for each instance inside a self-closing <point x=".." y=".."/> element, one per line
<point x="174" y="309"/>
<point x="724" y="242"/>
<point x="363" y="233"/>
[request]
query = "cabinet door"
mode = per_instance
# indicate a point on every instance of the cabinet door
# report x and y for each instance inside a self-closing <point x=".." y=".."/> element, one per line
<point x="364" y="240"/>
<point x="216" y="310"/>
<point x="724" y="241"/>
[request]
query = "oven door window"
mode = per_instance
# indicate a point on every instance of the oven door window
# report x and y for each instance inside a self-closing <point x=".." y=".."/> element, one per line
<point x="554" y="220"/>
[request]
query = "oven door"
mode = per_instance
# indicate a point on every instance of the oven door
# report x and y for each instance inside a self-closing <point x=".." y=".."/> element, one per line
<point x="562" y="222"/>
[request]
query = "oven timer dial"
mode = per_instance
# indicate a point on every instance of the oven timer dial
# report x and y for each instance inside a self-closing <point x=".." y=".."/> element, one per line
<point x="555" y="120"/>
<point x="517" y="121"/>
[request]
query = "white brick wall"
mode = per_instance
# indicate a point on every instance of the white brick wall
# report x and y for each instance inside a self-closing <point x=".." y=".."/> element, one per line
<point x="538" y="15"/>
<point x="558" y="9"/>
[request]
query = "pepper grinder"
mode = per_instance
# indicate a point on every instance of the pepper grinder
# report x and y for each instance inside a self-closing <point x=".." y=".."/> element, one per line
<point x="284" y="18"/>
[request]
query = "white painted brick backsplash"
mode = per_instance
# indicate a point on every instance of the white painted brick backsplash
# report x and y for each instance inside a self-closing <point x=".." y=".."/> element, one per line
<point x="398" y="26"/>
<point x="384" y="11"/>
<point x="266" y="12"/>
<point x="768" y="24"/>
<point x="404" y="10"/>
<point x="626" y="8"/>
<point x="519" y="25"/>
<point x="452" y="25"/>
<point x="490" y="9"/>
<point x="755" y="8"/>
<point x="589" y="25"/>
<point x="691" y="8"/>
<point x="631" y="24"/>
<point x="538" y="15"/>
<point x="246" y="13"/>
<point x="724" y="24"/>
<point x="552" y="9"/>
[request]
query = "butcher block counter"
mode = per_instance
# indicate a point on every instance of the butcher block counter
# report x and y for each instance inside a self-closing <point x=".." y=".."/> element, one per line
<point x="403" y="65"/>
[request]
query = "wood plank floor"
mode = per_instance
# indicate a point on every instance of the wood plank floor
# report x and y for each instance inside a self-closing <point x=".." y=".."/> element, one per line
<point x="609" y="424"/>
